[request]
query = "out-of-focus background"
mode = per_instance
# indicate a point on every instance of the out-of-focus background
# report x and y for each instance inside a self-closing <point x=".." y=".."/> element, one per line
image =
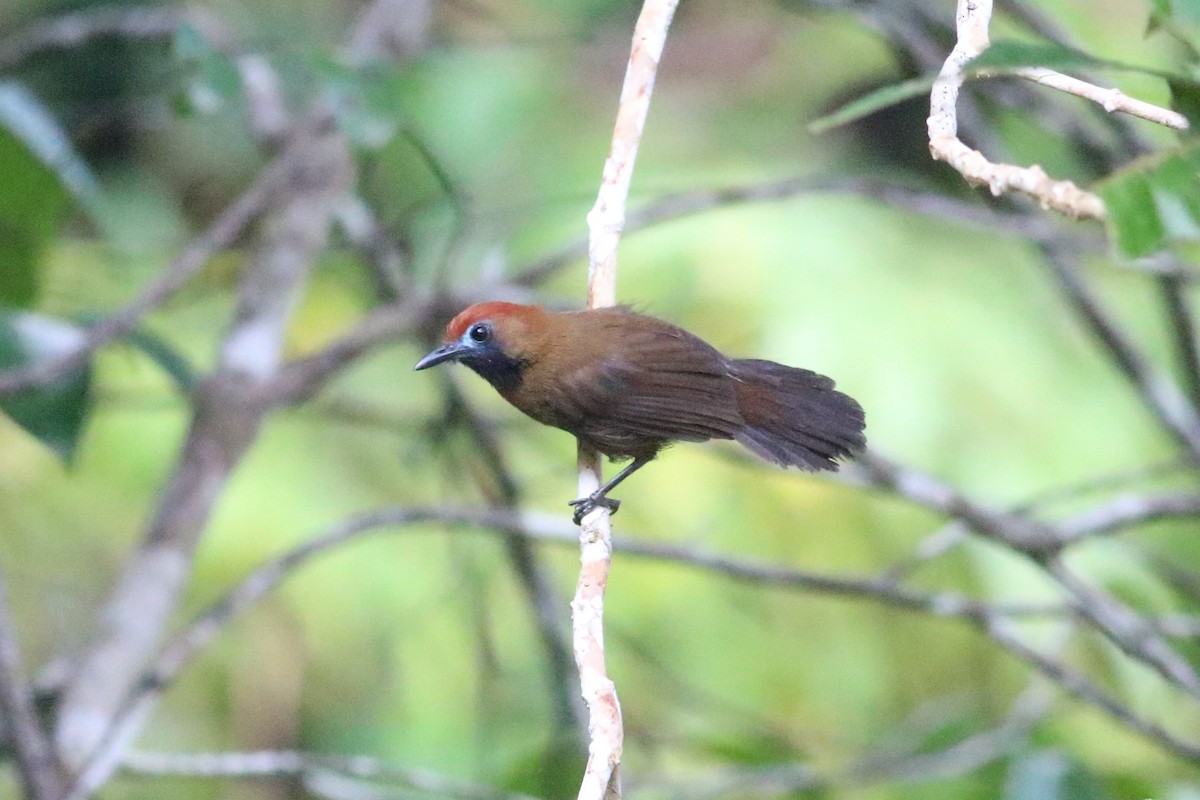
<point x="455" y="145"/>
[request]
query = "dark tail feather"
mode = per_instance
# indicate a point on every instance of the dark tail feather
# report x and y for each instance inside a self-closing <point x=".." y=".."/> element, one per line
<point x="794" y="417"/>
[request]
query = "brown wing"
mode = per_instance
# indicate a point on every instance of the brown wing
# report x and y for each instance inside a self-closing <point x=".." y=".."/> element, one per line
<point x="647" y="383"/>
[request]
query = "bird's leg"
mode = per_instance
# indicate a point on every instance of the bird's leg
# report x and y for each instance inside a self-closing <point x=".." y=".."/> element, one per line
<point x="600" y="498"/>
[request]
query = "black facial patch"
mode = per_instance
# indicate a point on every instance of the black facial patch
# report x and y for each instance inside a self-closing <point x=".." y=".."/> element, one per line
<point x="497" y="367"/>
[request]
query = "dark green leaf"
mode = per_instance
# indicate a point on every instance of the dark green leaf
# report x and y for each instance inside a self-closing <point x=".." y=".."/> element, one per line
<point x="1185" y="98"/>
<point x="171" y="360"/>
<point x="1176" y="192"/>
<point x="1134" y="225"/>
<point x="1160" y="15"/>
<point x="1154" y="204"/>
<point x="40" y="176"/>
<point x="215" y="78"/>
<point x="367" y="101"/>
<point x="1004" y="54"/>
<point x="548" y="772"/>
<point x="27" y="119"/>
<point x="872" y="102"/>
<point x="55" y="414"/>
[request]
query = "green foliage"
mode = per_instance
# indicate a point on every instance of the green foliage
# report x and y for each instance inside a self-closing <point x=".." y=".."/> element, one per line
<point x="870" y="103"/>
<point x="42" y="178"/>
<point x="1151" y="206"/>
<point x="485" y="153"/>
<point x="367" y="100"/>
<point x="55" y="414"/>
<point x="212" y="77"/>
<point x="1004" y="54"/>
<point x="163" y="353"/>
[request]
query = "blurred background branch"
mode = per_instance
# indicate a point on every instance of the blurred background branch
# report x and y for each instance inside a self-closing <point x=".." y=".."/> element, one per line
<point x="227" y="233"/>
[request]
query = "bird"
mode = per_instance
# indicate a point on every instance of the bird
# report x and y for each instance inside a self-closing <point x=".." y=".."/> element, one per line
<point x="627" y="385"/>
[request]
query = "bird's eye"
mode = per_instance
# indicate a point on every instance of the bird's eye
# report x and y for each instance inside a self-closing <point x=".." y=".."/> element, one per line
<point x="480" y="332"/>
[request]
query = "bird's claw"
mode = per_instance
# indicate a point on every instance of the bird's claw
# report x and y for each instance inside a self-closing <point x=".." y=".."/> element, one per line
<point x="586" y="505"/>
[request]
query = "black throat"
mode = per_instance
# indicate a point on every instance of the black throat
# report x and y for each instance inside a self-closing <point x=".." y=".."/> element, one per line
<point x="497" y="368"/>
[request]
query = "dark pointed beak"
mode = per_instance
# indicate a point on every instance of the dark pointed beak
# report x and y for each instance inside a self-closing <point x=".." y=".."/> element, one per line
<point x="447" y="352"/>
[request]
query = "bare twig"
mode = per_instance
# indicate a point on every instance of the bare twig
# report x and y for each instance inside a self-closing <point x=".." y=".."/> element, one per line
<point x="36" y="768"/>
<point x="275" y="764"/>
<point x="1132" y="633"/>
<point x="962" y="757"/>
<point x="1124" y="511"/>
<point x="1012" y="530"/>
<point x="972" y="20"/>
<point x="223" y="231"/>
<point x="1077" y="685"/>
<point x="1161" y="395"/>
<point x="227" y="415"/>
<point x="698" y="201"/>
<point x="300" y="379"/>
<point x="569" y="711"/>
<point x="1109" y="99"/>
<point x="1183" y="332"/>
<point x="992" y="619"/>
<point x="74" y="29"/>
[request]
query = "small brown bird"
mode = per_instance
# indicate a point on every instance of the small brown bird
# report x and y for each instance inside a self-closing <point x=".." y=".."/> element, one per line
<point x="627" y="385"/>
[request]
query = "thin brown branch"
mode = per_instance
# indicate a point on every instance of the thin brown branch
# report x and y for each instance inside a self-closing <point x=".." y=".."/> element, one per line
<point x="1015" y="531"/>
<point x="79" y="27"/>
<point x="1160" y="395"/>
<point x="219" y="235"/>
<point x="684" y="204"/>
<point x="539" y="592"/>
<point x="1125" y="511"/>
<point x="276" y="764"/>
<point x="1136" y="636"/>
<point x="302" y="378"/>
<point x="1128" y="630"/>
<point x="226" y="418"/>
<point x="37" y="769"/>
<point x="1183" y="333"/>
<point x="992" y="619"/>
<point x="962" y="757"/>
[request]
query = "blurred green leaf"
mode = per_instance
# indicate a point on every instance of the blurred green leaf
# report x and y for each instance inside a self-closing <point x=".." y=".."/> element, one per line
<point x="41" y="174"/>
<point x="1133" y="223"/>
<point x="871" y="102"/>
<point x="1153" y="205"/>
<point x="1006" y="54"/>
<point x="177" y="367"/>
<point x="366" y="100"/>
<point x="549" y="772"/>
<point x="214" y="78"/>
<point x="24" y="116"/>
<point x="1050" y="775"/>
<point x="1176" y="10"/>
<point x="1185" y="98"/>
<point x="54" y="415"/>
<point x="1175" y="185"/>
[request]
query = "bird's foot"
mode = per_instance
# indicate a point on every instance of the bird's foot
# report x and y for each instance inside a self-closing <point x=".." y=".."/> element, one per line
<point x="586" y="505"/>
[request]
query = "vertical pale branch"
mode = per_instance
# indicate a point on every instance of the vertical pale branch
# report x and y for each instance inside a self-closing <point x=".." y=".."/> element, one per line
<point x="605" y="222"/>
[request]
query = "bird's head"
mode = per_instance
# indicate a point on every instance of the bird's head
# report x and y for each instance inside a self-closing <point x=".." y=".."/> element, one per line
<point x="491" y="338"/>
